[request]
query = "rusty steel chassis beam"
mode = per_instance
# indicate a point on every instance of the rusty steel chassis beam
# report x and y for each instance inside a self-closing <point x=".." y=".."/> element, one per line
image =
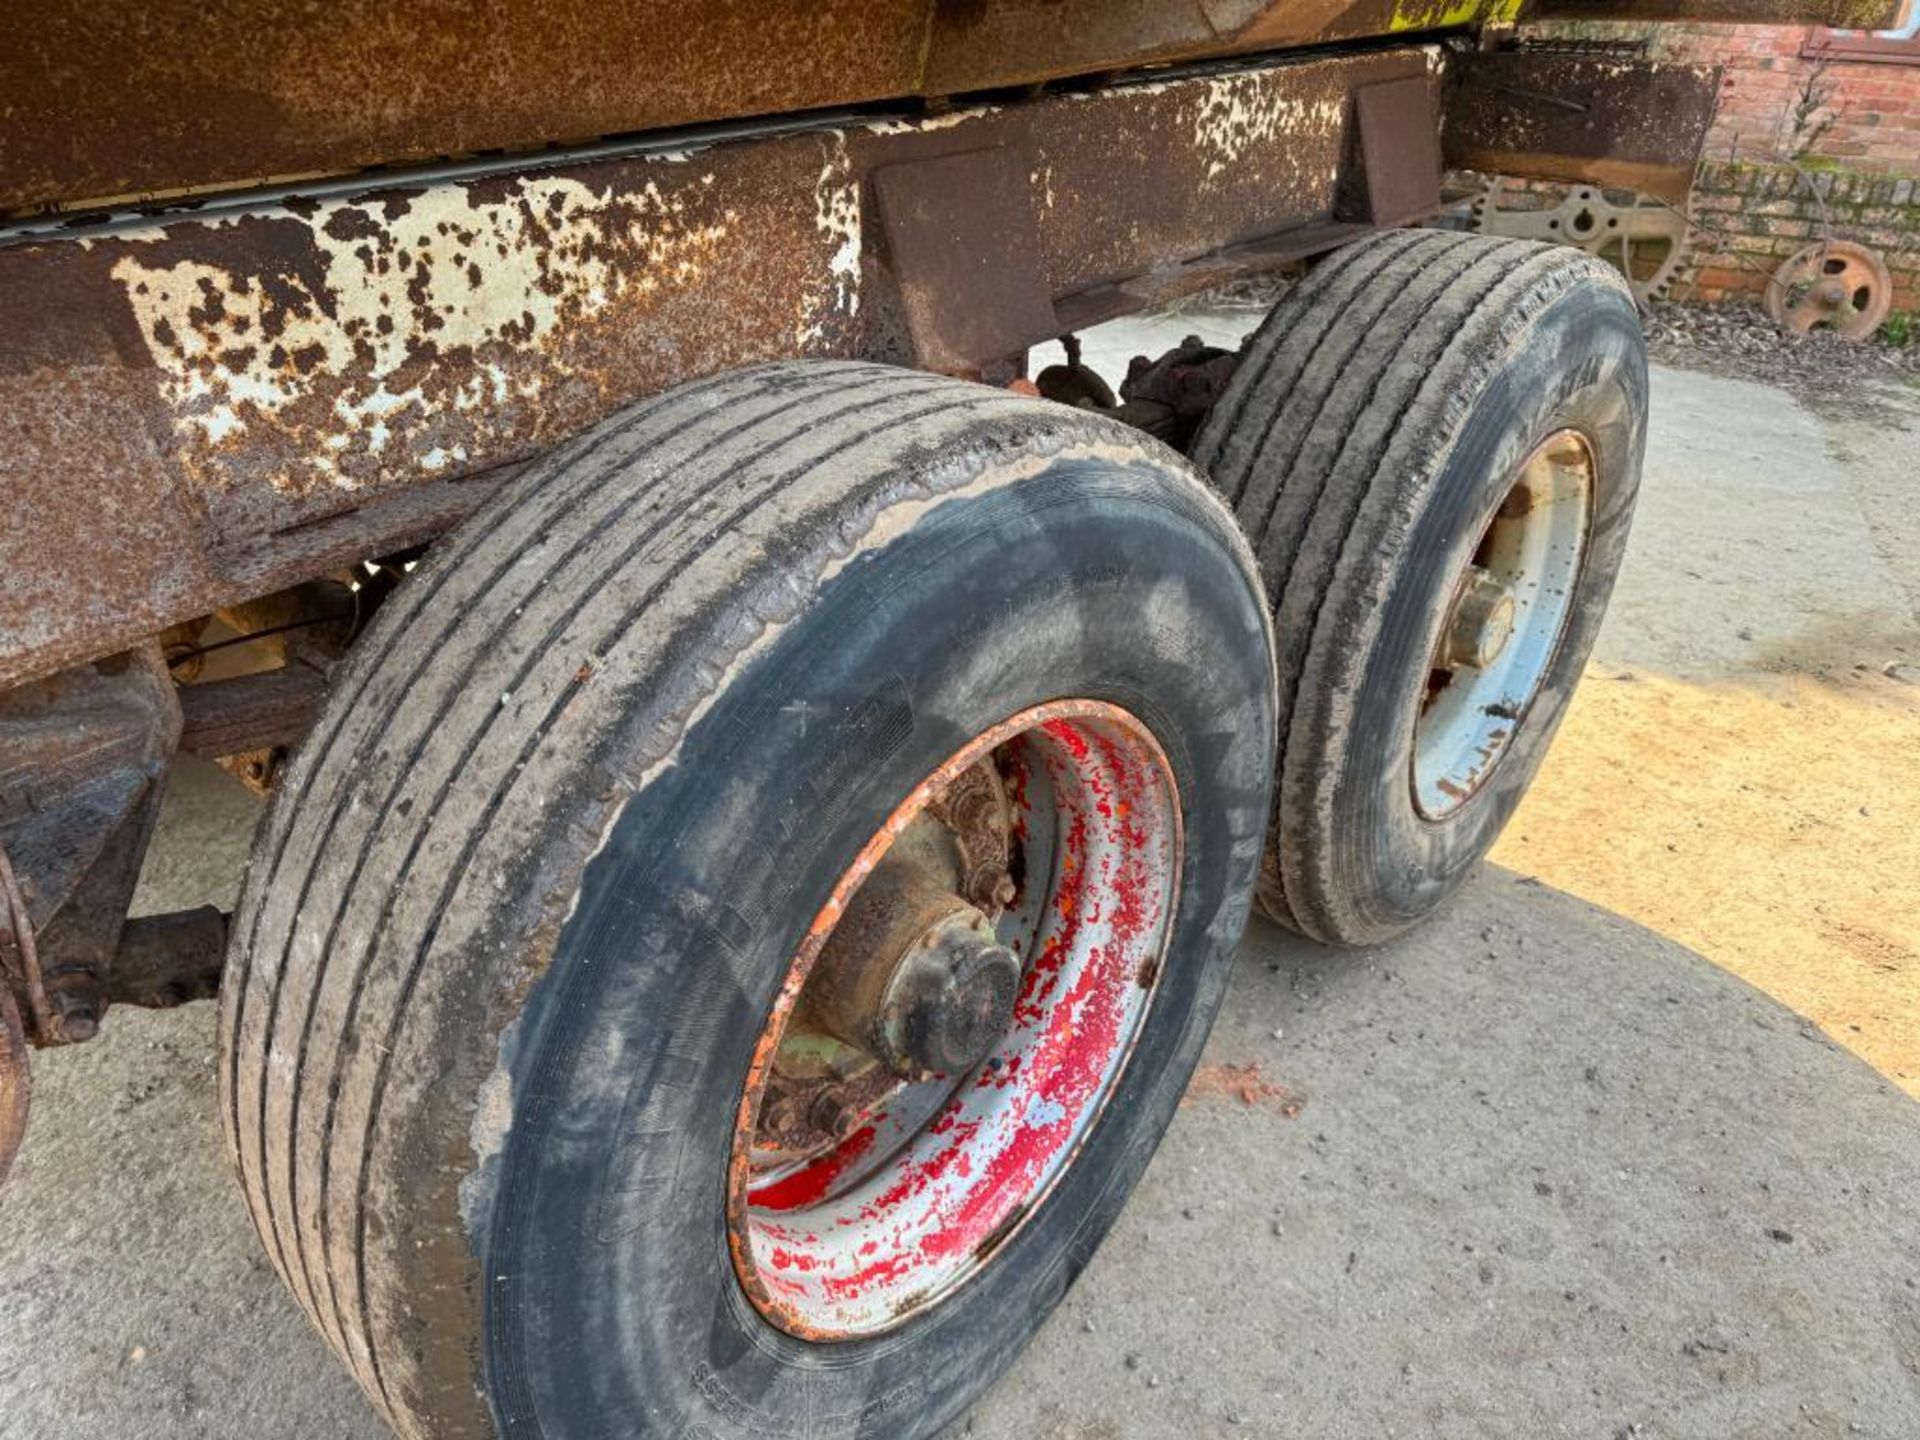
<point x="224" y="399"/>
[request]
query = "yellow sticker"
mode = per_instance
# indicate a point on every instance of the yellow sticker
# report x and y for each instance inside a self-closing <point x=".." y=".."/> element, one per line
<point x="1444" y="14"/>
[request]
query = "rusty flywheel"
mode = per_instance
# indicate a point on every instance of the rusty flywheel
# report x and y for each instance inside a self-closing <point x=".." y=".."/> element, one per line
<point x="1834" y="285"/>
<point x="1643" y="238"/>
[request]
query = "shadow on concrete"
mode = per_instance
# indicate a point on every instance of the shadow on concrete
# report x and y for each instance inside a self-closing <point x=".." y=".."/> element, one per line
<point x="1550" y="1174"/>
<point x="1533" y="1171"/>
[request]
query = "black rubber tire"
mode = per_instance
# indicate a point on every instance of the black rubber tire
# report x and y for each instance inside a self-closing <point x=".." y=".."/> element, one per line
<point x="1373" y="423"/>
<point x="523" y="902"/>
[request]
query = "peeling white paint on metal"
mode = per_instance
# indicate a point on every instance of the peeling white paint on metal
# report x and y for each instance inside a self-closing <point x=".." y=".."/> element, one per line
<point x="440" y="457"/>
<point x="1239" y="112"/>
<point x="922" y="124"/>
<point x="837" y="216"/>
<point x="1124" y="89"/>
<point x="439" y="269"/>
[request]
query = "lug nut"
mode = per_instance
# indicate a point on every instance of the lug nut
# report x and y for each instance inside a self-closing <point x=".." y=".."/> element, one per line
<point x="831" y="1113"/>
<point x="783" y="1112"/>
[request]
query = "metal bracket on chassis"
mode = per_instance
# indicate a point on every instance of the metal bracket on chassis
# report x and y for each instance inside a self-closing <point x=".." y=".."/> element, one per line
<point x="84" y="757"/>
<point x="84" y="760"/>
<point x="1602" y="120"/>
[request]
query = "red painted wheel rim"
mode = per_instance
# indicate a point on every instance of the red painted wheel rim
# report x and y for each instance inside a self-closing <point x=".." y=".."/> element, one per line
<point x="1097" y="816"/>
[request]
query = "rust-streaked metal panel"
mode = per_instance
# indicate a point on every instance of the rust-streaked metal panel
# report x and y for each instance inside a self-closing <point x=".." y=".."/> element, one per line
<point x="211" y="405"/>
<point x="325" y="350"/>
<point x="1636" y="124"/>
<point x="963" y="241"/>
<point x="991" y="44"/>
<point x="108" y="103"/>
<point x="196" y="411"/>
<point x="121" y="100"/>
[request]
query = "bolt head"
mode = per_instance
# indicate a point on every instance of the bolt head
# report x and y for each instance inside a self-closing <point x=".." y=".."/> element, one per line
<point x="832" y="1114"/>
<point x="957" y="1003"/>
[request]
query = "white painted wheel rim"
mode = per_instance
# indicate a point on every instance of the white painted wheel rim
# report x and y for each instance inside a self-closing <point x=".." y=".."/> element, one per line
<point x="1098" y="814"/>
<point x="1529" y="554"/>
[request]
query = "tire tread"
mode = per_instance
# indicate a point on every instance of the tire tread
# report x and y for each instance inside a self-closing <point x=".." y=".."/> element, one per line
<point x="1369" y="365"/>
<point x="667" y="537"/>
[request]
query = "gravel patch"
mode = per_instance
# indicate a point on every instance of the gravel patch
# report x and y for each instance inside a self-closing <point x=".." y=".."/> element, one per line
<point x="1739" y="342"/>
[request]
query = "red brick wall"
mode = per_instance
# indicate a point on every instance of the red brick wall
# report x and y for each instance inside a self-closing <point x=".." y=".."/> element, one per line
<point x="1866" y="115"/>
<point x="1749" y="217"/>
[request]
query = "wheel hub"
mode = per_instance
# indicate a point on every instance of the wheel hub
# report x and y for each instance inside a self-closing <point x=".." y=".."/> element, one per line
<point x="913" y="974"/>
<point x="913" y="977"/>
<point x="1509" y="608"/>
<point x="1482" y="621"/>
<point x="949" y="1001"/>
<point x="949" y="1032"/>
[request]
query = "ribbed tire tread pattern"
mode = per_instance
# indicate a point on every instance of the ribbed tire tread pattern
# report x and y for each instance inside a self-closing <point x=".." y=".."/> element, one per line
<point x="1352" y="387"/>
<point x="607" y="591"/>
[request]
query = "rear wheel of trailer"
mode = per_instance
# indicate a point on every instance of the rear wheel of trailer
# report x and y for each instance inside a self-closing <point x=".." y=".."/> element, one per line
<point x="750" y="910"/>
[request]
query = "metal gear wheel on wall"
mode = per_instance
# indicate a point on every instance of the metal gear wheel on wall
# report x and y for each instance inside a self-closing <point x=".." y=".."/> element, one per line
<point x="1835" y="285"/>
<point x="1643" y="238"/>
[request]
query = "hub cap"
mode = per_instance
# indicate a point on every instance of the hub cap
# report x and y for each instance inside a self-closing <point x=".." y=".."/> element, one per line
<point x="1504" y="623"/>
<point x="955" y="1021"/>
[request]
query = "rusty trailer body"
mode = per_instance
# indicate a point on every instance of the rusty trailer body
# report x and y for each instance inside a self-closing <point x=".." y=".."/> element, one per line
<point x="214" y="405"/>
<point x="286" y="294"/>
<point x="218" y="401"/>
<point x="122" y="105"/>
<point x="233" y="358"/>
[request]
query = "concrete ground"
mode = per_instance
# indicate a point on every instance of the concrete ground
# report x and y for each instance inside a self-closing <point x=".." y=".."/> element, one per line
<point x="1624" y="1145"/>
